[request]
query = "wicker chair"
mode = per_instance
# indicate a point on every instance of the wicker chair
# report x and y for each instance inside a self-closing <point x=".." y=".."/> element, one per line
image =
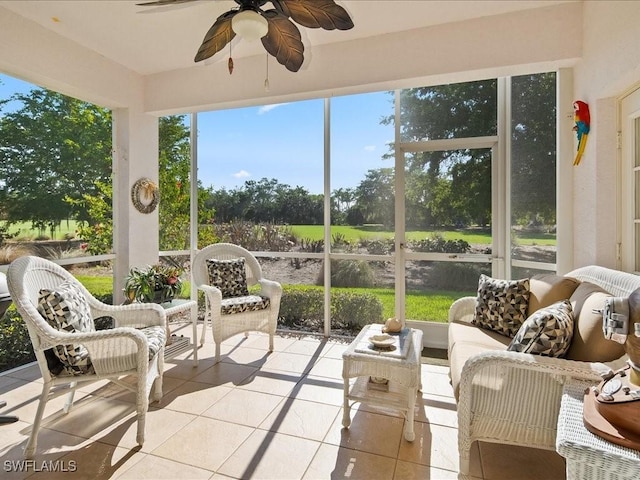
<point x="228" y="314"/>
<point x="112" y="353"/>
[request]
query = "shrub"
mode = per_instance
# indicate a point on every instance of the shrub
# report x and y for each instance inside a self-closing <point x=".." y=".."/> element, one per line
<point x="455" y="276"/>
<point x="378" y="247"/>
<point x="15" y="343"/>
<point x="436" y="243"/>
<point x="255" y="237"/>
<point x="349" y="273"/>
<point x="303" y="308"/>
<point x="10" y="251"/>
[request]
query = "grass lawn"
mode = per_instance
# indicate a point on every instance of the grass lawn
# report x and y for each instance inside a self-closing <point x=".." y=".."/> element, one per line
<point x="372" y="232"/>
<point x="26" y="232"/>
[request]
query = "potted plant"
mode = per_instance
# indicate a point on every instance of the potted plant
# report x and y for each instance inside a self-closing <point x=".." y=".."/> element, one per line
<point x="153" y="284"/>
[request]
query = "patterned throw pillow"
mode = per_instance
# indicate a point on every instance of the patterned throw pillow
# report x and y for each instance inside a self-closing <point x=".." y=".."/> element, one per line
<point x="501" y="305"/>
<point x="546" y="332"/>
<point x="229" y="276"/>
<point x="65" y="308"/>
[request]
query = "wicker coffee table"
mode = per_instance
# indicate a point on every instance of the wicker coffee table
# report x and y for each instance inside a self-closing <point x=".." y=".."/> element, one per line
<point x="400" y="366"/>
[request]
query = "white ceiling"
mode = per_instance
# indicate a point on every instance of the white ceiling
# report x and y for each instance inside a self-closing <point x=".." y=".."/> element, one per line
<point x="156" y="39"/>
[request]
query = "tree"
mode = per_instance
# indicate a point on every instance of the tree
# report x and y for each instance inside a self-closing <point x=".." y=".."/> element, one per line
<point x="53" y="147"/>
<point x="174" y="163"/>
<point x="533" y="151"/>
<point x="454" y="187"/>
<point x="375" y="197"/>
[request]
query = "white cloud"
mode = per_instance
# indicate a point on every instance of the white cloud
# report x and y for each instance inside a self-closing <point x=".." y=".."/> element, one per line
<point x="369" y="148"/>
<point x="242" y="174"/>
<point x="267" y="108"/>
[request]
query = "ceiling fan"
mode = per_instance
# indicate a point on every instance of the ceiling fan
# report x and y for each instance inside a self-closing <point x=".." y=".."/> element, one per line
<point x="280" y="36"/>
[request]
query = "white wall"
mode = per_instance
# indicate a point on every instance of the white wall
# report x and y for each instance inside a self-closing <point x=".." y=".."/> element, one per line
<point x="610" y="66"/>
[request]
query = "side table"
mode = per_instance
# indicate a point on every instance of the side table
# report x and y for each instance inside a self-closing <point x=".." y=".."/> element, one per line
<point x="403" y="376"/>
<point x="589" y="456"/>
<point x="178" y="345"/>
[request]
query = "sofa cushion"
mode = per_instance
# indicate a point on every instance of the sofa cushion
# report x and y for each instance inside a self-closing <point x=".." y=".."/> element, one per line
<point x="547" y="332"/>
<point x="501" y="305"/>
<point x="547" y="289"/>
<point x="229" y="276"/>
<point x="588" y="342"/>
<point x="467" y="340"/>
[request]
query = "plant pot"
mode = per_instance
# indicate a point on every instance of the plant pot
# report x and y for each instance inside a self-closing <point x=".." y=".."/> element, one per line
<point x="158" y="297"/>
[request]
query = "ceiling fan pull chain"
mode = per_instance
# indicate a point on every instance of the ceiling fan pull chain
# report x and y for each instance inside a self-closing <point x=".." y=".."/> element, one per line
<point x="230" y="63"/>
<point x="266" y="80"/>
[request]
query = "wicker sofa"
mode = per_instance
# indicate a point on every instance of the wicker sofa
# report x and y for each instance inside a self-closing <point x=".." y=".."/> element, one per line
<point x="514" y="398"/>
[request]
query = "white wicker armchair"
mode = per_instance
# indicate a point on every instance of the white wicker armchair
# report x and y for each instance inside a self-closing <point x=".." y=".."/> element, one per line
<point x="514" y="398"/>
<point x="114" y="352"/>
<point x="225" y="324"/>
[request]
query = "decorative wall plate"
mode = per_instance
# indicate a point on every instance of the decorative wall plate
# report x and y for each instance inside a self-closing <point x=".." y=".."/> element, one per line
<point x="145" y="195"/>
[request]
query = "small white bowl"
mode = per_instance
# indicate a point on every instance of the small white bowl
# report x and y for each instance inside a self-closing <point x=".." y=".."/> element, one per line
<point x="382" y="341"/>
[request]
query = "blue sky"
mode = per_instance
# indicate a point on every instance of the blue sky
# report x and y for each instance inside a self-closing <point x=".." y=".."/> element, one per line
<point x="285" y="141"/>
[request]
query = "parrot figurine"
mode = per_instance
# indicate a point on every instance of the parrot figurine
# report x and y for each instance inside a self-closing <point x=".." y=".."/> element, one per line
<point x="583" y="121"/>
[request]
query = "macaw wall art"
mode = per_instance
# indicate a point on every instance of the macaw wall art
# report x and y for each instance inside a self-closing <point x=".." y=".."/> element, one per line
<point x="583" y="123"/>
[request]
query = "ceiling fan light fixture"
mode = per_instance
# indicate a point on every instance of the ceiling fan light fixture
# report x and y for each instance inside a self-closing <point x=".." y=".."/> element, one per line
<point x="249" y="24"/>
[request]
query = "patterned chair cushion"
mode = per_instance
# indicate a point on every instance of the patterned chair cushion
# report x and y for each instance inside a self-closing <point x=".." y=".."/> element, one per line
<point x="65" y="308"/>
<point x="546" y="332"/>
<point x="247" y="303"/>
<point x="229" y="276"/>
<point x="501" y="305"/>
<point x="157" y="337"/>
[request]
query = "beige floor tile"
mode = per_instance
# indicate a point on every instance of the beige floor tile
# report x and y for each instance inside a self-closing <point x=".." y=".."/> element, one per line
<point x="193" y="397"/>
<point x="320" y="389"/>
<point x="290" y="362"/>
<point x="335" y="462"/>
<point x="245" y="407"/>
<point x="23" y="399"/>
<point x="185" y="370"/>
<point x="273" y="382"/>
<point x="261" y="341"/>
<point x="437" y="384"/>
<point x="434" y="445"/>
<point x="51" y="445"/>
<point x="414" y="471"/>
<point x="437" y="410"/>
<point x="205" y="443"/>
<point x="91" y="416"/>
<point x="508" y="462"/>
<point x="327" y="367"/>
<point x="152" y="467"/>
<point x="313" y="346"/>
<point x="93" y="460"/>
<point x="267" y="455"/>
<point x="225" y="374"/>
<point x="337" y="349"/>
<point x="301" y="418"/>
<point x="252" y="357"/>
<point x="368" y="432"/>
<point x="27" y="372"/>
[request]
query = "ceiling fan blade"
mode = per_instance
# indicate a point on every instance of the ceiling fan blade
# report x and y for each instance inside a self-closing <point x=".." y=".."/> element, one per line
<point x="217" y="37"/>
<point x="283" y="41"/>
<point x="157" y="3"/>
<point x="324" y="14"/>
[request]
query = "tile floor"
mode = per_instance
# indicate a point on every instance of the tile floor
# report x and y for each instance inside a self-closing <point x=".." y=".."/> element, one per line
<point x="254" y="415"/>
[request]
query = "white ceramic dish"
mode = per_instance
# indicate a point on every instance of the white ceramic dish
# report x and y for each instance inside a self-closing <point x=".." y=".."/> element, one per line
<point x="382" y="341"/>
